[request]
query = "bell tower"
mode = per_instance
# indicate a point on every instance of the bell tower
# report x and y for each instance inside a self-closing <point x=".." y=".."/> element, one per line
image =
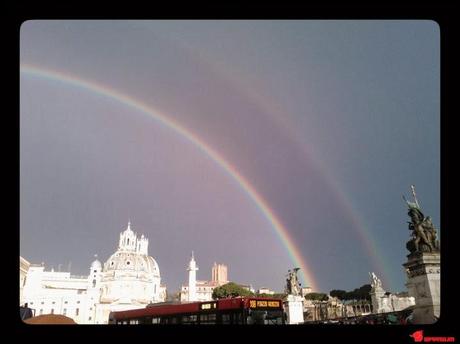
<point x="192" y="269"/>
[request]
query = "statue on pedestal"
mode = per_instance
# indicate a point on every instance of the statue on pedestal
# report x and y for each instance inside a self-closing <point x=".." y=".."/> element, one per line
<point x="294" y="302"/>
<point x="423" y="231"/>
<point x="292" y="283"/>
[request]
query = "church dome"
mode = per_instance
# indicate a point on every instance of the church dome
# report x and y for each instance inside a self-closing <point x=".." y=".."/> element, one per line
<point x="131" y="262"/>
<point x="132" y="255"/>
<point x="130" y="273"/>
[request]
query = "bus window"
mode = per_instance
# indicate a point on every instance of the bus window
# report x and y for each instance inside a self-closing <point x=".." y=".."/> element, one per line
<point x="265" y="317"/>
<point x="189" y="319"/>
<point x="156" y="320"/>
<point x="207" y="318"/>
<point x="226" y="319"/>
<point x="274" y="318"/>
<point x="238" y="318"/>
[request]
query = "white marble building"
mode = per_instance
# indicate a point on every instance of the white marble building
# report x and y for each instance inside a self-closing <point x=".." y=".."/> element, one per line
<point x="197" y="290"/>
<point x="129" y="279"/>
<point x="384" y="302"/>
<point x="52" y="292"/>
<point x="24" y="266"/>
<point x="264" y="290"/>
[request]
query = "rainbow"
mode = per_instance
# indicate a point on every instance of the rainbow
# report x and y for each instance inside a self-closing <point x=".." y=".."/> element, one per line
<point x="280" y="230"/>
<point x="272" y="109"/>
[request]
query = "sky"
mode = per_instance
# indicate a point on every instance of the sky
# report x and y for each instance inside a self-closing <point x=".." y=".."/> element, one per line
<point x="263" y="145"/>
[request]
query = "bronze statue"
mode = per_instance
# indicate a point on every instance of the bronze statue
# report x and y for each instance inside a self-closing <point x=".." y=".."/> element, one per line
<point x="423" y="231"/>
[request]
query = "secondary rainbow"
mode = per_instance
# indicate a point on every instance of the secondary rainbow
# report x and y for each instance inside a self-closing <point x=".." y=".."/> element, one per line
<point x="261" y="204"/>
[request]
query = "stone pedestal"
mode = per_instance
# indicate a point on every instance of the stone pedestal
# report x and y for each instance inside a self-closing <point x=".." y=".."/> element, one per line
<point x="293" y="306"/>
<point x="377" y="295"/>
<point x="423" y="271"/>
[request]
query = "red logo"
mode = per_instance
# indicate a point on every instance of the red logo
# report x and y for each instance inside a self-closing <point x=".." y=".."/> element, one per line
<point x="418" y="337"/>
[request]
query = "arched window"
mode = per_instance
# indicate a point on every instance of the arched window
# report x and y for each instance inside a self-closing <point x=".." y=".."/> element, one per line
<point x="94" y="283"/>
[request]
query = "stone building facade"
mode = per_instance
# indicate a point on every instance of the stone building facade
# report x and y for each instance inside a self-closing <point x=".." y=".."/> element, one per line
<point x="129" y="279"/>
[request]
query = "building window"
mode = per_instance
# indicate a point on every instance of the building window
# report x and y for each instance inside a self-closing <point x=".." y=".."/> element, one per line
<point x="42" y="303"/>
<point x="41" y="311"/>
<point x="89" y="318"/>
<point x="52" y="310"/>
<point x="53" y="302"/>
<point x="64" y="311"/>
<point x="77" y="311"/>
<point x="78" y="301"/>
<point x="66" y="302"/>
<point x="94" y="283"/>
<point x="31" y="303"/>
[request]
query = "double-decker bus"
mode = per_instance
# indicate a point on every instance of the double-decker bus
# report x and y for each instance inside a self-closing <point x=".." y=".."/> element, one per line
<point x="240" y="310"/>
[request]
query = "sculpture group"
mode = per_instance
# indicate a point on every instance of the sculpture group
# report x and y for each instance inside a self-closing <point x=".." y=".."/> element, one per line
<point x="423" y="266"/>
<point x="424" y="238"/>
<point x="292" y="282"/>
<point x="376" y="283"/>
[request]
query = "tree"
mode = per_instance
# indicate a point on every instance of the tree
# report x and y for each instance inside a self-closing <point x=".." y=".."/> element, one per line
<point x="365" y="292"/>
<point x="230" y="290"/>
<point x="279" y="295"/>
<point x="340" y="294"/>
<point x="317" y="296"/>
<point x="174" y="296"/>
<point x="273" y="296"/>
<point x="361" y="293"/>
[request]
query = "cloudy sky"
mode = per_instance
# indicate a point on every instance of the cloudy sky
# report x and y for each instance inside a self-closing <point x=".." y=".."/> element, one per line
<point x="329" y="122"/>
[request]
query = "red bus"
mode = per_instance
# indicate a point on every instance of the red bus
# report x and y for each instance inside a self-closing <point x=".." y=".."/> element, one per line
<point x="240" y="310"/>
